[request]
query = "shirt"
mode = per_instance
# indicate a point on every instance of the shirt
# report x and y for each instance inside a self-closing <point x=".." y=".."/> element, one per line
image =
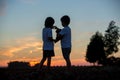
<point x="66" y="40"/>
<point x="47" y="44"/>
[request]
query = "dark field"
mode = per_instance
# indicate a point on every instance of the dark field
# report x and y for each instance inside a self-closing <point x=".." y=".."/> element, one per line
<point x="61" y="73"/>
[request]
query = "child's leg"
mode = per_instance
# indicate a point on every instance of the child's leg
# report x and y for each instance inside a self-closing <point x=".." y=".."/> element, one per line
<point x="41" y="63"/>
<point x="68" y="62"/>
<point x="49" y="62"/>
<point x="66" y="55"/>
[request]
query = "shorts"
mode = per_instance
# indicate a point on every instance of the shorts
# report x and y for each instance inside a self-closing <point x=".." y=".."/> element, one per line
<point x="48" y="53"/>
<point x="66" y="52"/>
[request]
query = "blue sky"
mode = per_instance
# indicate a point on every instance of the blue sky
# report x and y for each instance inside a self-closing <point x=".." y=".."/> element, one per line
<point x="24" y="14"/>
<point x="21" y="22"/>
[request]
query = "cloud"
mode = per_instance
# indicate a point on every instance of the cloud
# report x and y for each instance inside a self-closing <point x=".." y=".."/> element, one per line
<point x="80" y="61"/>
<point x="58" y="63"/>
<point x="3" y="63"/>
<point x="27" y="59"/>
<point x="61" y="62"/>
<point x="2" y="7"/>
<point x="26" y="49"/>
<point x="21" y="45"/>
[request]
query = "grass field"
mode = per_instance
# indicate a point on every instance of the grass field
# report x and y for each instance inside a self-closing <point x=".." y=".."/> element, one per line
<point x="62" y="73"/>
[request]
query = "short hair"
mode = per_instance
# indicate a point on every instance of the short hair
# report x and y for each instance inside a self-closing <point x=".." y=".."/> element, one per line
<point x="65" y="19"/>
<point x="49" y="22"/>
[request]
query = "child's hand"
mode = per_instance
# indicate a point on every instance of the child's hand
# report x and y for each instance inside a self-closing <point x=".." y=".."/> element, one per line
<point x="55" y="27"/>
<point x="54" y="41"/>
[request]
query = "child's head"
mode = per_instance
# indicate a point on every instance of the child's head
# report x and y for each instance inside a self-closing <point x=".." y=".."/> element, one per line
<point x="65" y="20"/>
<point x="49" y="22"/>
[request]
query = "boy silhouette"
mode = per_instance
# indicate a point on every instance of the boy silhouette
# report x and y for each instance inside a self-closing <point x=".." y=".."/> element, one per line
<point x="48" y="45"/>
<point x="65" y="36"/>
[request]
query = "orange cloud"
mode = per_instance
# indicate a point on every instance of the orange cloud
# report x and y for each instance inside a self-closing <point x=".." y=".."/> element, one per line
<point x="10" y="51"/>
<point x="32" y="63"/>
<point x="58" y="63"/>
<point x="61" y="62"/>
<point x="3" y="63"/>
<point x="33" y="46"/>
<point x="81" y="62"/>
<point x="6" y="52"/>
<point x="21" y="44"/>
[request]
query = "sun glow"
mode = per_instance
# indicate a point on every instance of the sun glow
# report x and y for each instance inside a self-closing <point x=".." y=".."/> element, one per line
<point x="33" y="63"/>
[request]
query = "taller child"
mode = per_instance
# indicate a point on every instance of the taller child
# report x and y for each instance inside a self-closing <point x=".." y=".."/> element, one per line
<point x="65" y="36"/>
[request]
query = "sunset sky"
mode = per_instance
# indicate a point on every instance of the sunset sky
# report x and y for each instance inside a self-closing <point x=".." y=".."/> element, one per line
<point x="22" y="21"/>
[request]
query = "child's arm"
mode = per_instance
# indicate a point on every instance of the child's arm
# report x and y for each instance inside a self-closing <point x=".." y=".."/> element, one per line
<point x="51" y="39"/>
<point x="50" y="35"/>
<point x="59" y="37"/>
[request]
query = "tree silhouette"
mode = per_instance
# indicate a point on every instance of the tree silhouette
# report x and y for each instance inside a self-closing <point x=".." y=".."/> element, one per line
<point x="111" y="39"/>
<point x="101" y="47"/>
<point x="95" y="49"/>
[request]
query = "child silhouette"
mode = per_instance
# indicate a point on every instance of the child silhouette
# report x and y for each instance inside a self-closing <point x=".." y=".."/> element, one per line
<point x="65" y="36"/>
<point x="48" y="44"/>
